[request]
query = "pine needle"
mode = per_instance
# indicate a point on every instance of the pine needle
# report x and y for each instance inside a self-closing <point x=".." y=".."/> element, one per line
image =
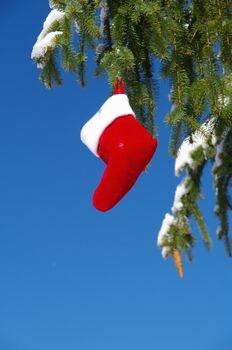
<point x="178" y="261"/>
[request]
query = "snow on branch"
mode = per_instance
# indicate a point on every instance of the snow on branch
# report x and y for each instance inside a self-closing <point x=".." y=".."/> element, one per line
<point x="40" y="48"/>
<point x="218" y="157"/>
<point x="103" y="17"/>
<point x="166" y="224"/>
<point x="200" y="139"/>
<point x="219" y="152"/>
<point x="47" y="39"/>
<point x="163" y="236"/>
<point x="189" y="146"/>
<point x="181" y="191"/>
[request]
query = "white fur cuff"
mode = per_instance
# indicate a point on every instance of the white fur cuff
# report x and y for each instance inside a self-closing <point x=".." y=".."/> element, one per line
<point x="116" y="106"/>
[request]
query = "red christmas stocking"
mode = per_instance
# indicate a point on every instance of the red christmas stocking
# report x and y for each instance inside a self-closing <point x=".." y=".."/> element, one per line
<point x="115" y="136"/>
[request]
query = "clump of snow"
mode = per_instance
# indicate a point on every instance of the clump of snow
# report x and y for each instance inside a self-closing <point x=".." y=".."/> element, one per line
<point x="219" y="151"/>
<point x="53" y="16"/>
<point x="166" y="251"/>
<point x="199" y="138"/>
<point x="218" y="156"/>
<point x="168" y="221"/>
<point x="46" y="39"/>
<point x="99" y="49"/>
<point x="184" y="156"/>
<point x="40" y="48"/>
<point x="103" y="16"/>
<point x="181" y="191"/>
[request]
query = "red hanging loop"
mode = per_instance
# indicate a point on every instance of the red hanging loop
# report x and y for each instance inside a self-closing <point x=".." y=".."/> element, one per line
<point x="119" y="87"/>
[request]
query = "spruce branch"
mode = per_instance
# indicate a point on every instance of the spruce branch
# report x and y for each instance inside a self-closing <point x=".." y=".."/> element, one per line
<point x="192" y="41"/>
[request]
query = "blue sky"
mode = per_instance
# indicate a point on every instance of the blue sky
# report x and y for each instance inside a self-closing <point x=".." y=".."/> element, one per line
<point x="72" y="277"/>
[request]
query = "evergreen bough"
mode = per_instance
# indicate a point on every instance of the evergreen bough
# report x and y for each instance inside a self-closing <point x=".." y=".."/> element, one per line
<point x="190" y="44"/>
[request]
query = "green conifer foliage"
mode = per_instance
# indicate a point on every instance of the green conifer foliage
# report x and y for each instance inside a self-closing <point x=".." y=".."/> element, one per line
<point x="190" y="43"/>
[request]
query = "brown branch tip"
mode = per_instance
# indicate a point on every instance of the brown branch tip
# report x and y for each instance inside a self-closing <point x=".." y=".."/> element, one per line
<point x="178" y="262"/>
